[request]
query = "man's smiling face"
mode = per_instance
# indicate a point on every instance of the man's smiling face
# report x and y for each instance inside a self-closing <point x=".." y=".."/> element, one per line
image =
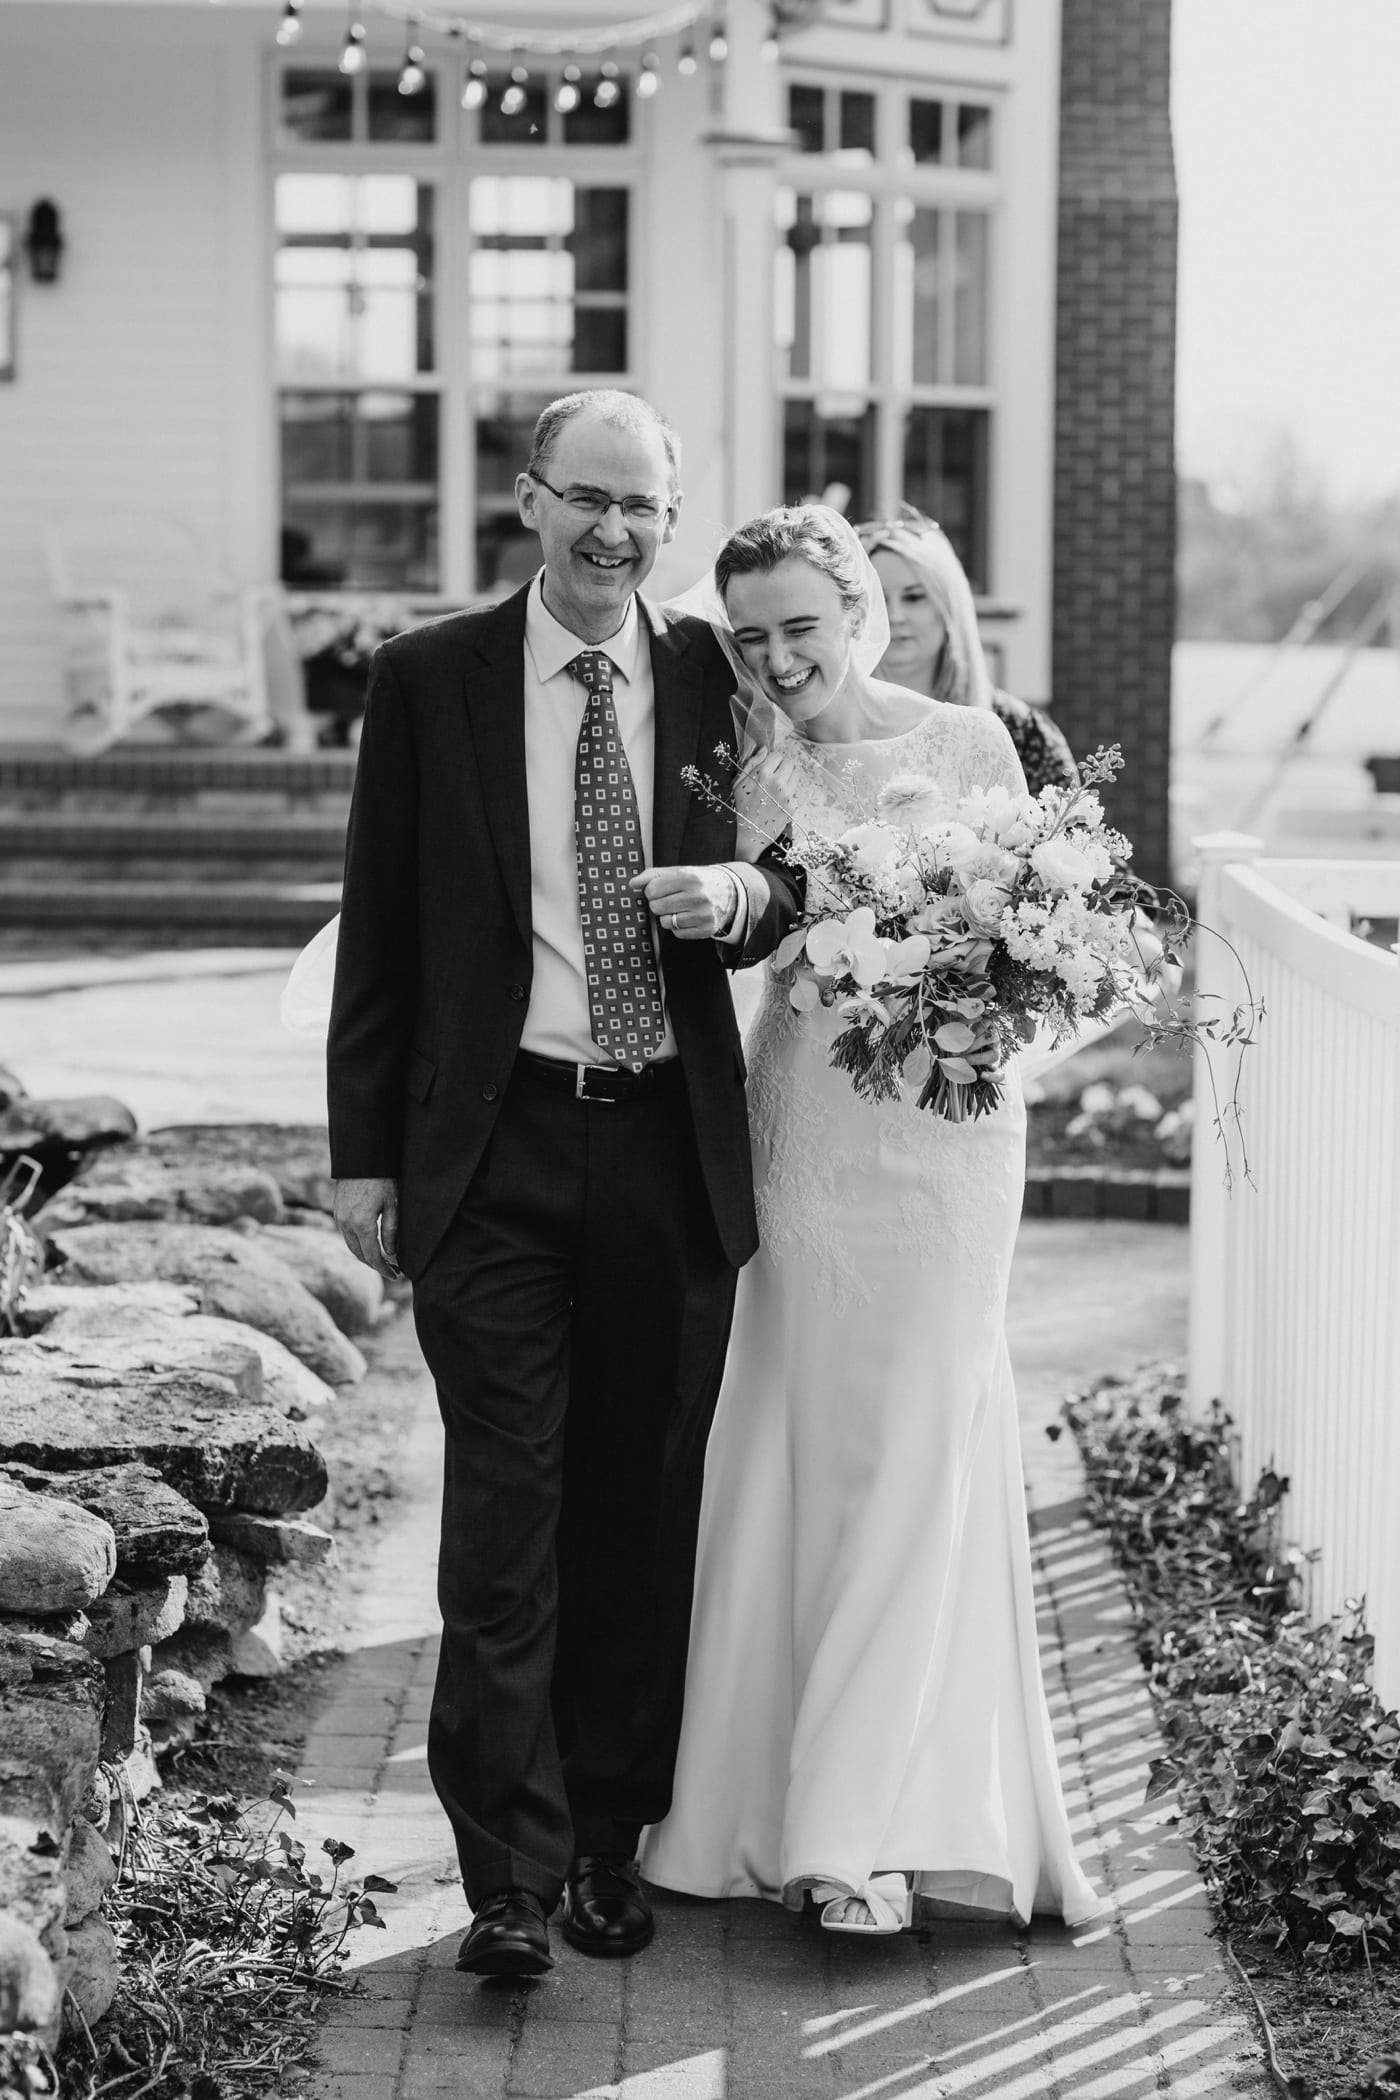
<point x="593" y="565"/>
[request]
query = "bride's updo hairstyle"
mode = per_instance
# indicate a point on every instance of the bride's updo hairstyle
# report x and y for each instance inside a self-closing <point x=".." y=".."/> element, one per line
<point x="798" y="530"/>
<point x="960" y="674"/>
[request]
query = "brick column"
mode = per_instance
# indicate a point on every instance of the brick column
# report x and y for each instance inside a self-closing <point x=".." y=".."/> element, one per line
<point x="1115" y="478"/>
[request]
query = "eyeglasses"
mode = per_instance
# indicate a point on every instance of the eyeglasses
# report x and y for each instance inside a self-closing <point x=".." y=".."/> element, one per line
<point x="596" y="503"/>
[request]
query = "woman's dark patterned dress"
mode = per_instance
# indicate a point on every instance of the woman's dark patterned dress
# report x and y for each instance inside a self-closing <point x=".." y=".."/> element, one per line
<point x="1046" y="759"/>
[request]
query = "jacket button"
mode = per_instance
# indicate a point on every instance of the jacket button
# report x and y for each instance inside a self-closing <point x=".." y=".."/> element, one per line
<point x="489" y="1093"/>
<point x="517" y="991"/>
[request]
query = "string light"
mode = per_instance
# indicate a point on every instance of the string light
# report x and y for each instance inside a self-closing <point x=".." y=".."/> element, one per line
<point x="687" y="62"/>
<point x="607" y="91"/>
<point x="514" y="98"/>
<point x="474" y="86"/>
<point x="413" y="76"/>
<point x="289" y="28"/>
<point x="570" y="94"/>
<point x="353" y="56"/>
<point x="768" y="50"/>
<point x="649" y="79"/>
<point x="719" y="44"/>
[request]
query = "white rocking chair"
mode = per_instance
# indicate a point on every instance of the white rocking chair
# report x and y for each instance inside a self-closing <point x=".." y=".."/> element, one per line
<point x="148" y="629"/>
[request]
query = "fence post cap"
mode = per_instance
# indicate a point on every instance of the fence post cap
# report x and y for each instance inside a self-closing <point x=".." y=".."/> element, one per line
<point x="1228" y="845"/>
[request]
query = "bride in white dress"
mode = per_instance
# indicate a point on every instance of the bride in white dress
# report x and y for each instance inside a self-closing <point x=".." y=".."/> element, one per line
<point x="864" y="1712"/>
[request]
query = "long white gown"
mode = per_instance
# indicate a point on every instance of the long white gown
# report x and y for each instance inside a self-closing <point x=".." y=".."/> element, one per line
<point x="863" y="1691"/>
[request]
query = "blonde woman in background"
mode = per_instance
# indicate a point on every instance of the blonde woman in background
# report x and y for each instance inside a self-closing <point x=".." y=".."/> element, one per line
<point x="935" y="648"/>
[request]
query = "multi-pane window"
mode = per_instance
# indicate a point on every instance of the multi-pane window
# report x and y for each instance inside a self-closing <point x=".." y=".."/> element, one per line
<point x="356" y="356"/>
<point x="382" y="358"/>
<point x="321" y="106"/>
<point x="949" y="134"/>
<point x="597" y="111"/>
<point x="548" y="277"/>
<point x="883" y="251"/>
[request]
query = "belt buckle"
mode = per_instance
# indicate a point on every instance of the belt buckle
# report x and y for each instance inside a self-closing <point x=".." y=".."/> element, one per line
<point x="582" y="1091"/>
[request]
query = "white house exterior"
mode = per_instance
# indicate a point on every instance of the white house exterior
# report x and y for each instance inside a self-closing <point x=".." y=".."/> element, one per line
<point x="315" y="318"/>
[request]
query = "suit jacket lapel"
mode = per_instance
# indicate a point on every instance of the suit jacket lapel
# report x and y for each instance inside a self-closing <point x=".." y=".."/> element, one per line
<point x="494" y="685"/>
<point x="678" y="688"/>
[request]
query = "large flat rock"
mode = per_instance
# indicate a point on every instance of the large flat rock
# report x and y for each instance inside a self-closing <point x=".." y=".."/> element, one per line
<point x="287" y="1384"/>
<point x="158" y="1532"/>
<point x="297" y="1156"/>
<point x="229" y="1273"/>
<point x="219" y="1455"/>
<point x="352" y="1294"/>
<point x="129" y="1184"/>
<point x="127" y="1305"/>
<point x="97" y="1360"/>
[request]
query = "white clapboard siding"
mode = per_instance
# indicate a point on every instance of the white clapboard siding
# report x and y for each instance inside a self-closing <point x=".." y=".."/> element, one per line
<point x="1295" y="1308"/>
<point x="122" y="397"/>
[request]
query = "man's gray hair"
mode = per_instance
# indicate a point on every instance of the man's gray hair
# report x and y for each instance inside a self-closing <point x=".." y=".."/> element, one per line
<point x="611" y="405"/>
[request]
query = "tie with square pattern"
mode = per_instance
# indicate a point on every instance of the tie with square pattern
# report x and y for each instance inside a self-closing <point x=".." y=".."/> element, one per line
<point x="624" y="984"/>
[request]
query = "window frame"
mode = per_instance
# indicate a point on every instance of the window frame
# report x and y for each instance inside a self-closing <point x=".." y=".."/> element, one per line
<point x="894" y="175"/>
<point x="450" y="163"/>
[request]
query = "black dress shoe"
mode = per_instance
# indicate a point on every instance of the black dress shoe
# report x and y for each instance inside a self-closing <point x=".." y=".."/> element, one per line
<point x="508" y="1937"/>
<point x="605" y="1911"/>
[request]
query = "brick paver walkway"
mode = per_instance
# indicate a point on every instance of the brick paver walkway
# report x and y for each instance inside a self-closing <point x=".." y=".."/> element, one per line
<point x="743" y="2001"/>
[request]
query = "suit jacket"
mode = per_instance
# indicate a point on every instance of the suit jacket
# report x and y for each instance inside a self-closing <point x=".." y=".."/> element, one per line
<point x="434" y="956"/>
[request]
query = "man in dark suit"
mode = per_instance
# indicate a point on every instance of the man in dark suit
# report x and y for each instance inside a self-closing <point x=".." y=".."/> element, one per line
<point x="537" y="1110"/>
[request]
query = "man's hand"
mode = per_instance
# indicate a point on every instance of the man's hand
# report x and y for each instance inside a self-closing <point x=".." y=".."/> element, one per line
<point x="695" y="904"/>
<point x="367" y="1213"/>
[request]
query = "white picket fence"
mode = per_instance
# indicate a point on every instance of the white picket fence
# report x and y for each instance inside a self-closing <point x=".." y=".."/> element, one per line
<point x="1295" y="1272"/>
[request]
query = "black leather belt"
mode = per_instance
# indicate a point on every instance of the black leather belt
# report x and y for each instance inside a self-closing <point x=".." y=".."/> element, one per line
<point x="598" y="1082"/>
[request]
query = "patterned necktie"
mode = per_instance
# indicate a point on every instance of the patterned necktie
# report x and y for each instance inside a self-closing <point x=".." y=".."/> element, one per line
<point x="624" y="984"/>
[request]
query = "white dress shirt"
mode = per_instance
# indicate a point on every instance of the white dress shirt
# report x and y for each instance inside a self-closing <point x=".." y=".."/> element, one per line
<point x="558" y="1022"/>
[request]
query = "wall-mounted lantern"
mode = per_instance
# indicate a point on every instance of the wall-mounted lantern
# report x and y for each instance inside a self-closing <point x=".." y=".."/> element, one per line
<point x="43" y="242"/>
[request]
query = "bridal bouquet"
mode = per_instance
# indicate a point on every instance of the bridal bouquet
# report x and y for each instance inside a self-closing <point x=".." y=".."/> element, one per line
<point x="947" y="928"/>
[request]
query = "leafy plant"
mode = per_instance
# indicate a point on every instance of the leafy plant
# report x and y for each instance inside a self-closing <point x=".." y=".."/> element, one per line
<point x="1286" y="1763"/>
<point x="227" y="1938"/>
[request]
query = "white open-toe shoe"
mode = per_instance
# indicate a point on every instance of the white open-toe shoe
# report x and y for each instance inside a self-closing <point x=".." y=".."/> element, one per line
<point x="886" y="1900"/>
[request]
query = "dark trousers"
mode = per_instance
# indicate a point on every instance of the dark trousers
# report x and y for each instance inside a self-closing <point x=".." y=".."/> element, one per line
<point x="575" y="1319"/>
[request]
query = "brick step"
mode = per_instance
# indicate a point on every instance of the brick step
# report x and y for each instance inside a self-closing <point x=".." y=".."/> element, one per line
<point x="191" y="834"/>
<point x="235" y="911"/>
<point x="168" y="779"/>
<point x="170" y="871"/>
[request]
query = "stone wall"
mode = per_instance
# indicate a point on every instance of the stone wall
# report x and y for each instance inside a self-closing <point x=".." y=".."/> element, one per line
<point x="188" y="1313"/>
<point x="1115" y="472"/>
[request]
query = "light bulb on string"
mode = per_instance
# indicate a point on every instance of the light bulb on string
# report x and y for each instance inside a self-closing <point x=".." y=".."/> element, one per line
<point x="769" y="50"/>
<point x="353" y="57"/>
<point x="649" y="79"/>
<point x="607" y="91"/>
<point x="719" y="44"/>
<point x="289" y="28"/>
<point x="687" y="62"/>
<point x="413" y="76"/>
<point x="474" y="86"/>
<point x="514" y="98"/>
<point x="569" y="94"/>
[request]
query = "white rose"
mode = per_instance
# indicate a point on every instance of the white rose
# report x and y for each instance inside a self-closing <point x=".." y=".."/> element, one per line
<point x="872" y="846"/>
<point x="984" y="904"/>
<point x="954" y="845"/>
<point x="1062" y="866"/>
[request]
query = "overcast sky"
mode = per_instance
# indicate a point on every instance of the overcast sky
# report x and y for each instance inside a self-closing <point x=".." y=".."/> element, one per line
<point x="1286" y="115"/>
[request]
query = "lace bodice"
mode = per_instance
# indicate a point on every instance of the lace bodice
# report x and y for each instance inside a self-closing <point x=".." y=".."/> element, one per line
<point x="960" y="747"/>
<point x="943" y="1191"/>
